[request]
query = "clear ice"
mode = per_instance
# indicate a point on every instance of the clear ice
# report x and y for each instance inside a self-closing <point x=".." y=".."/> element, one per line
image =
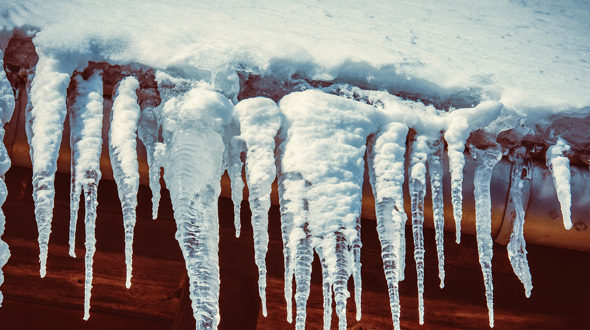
<point x="559" y="165"/>
<point x="485" y="161"/>
<point x="194" y="124"/>
<point x="517" y="246"/>
<point x="260" y="120"/>
<point x="44" y="127"/>
<point x="386" y="159"/>
<point x="123" y="154"/>
<point x="6" y="110"/>
<point x="435" y="170"/>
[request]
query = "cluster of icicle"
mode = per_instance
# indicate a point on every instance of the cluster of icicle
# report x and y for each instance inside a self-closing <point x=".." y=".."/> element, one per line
<point x="314" y="142"/>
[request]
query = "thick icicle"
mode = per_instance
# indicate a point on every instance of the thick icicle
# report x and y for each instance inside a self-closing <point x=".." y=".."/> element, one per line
<point x="386" y="157"/>
<point x="123" y="154"/>
<point x="193" y="127"/>
<point x="85" y="116"/>
<point x="6" y="110"/>
<point x="417" y="187"/>
<point x="517" y="245"/>
<point x="485" y="160"/>
<point x="234" y="170"/>
<point x="148" y="132"/>
<point x="461" y="123"/>
<point x="44" y="127"/>
<point x="559" y="165"/>
<point x="321" y="169"/>
<point x="260" y="119"/>
<point x="435" y="170"/>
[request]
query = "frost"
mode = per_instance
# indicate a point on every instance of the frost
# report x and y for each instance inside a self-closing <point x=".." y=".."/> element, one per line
<point x="260" y="119"/>
<point x="517" y="245"/>
<point x="123" y="154"/>
<point x="6" y="110"/>
<point x="386" y="157"/>
<point x="485" y="161"/>
<point x="417" y="187"/>
<point x="44" y="128"/>
<point x="321" y="165"/>
<point x="194" y="124"/>
<point x="559" y="165"/>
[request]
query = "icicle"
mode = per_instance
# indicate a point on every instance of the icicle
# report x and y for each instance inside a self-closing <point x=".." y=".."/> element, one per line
<point x="44" y="127"/>
<point x="85" y="115"/>
<point x="517" y="246"/>
<point x="417" y="186"/>
<point x="461" y="123"/>
<point x="386" y="157"/>
<point x="148" y="132"/>
<point x="260" y="120"/>
<point x="435" y="170"/>
<point x="236" y="147"/>
<point x="321" y="169"/>
<point x="6" y="110"/>
<point x="559" y="165"/>
<point x="356" y="269"/>
<point x="326" y="290"/>
<point x="485" y="160"/>
<point x="193" y="126"/>
<point x="123" y="155"/>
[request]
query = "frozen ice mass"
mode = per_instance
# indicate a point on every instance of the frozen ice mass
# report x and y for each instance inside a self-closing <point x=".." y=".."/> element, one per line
<point x="305" y="99"/>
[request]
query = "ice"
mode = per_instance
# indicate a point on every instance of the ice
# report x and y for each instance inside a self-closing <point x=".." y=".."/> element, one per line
<point x="517" y="245"/>
<point x="85" y="116"/>
<point x="435" y="170"/>
<point x="386" y="157"/>
<point x="44" y="127"/>
<point x="417" y="188"/>
<point x="6" y="110"/>
<point x="194" y="123"/>
<point x="234" y="170"/>
<point x="559" y="165"/>
<point x="321" y="165"/>
<point x="123" y="154"/>
<point x="260" y="120"/>
<point x="148" y="132"/>
<point x="461" y="123"/>
<point x="485" y="160"/>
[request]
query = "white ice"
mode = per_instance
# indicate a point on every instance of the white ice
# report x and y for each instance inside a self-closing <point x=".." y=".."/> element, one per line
<point x="123" y="154"/>
<point x="321" y="169"/>
<point x="417" y="188"/>
<point x="148" y="132"/>
<point x="559" y="165"/>
<point x="386" y="158"/>
<point x="517" y="245"/>
<point x="260" y="120"/>
<point x="6" y="110"/>
<point x="194" y="124"/>
<point x="485" y="160"/>
<point x="44" y="127"/>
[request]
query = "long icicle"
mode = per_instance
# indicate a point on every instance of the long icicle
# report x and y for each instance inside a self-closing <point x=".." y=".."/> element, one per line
<point x="6" y="110"/>
<point x="260" y="120"/>
<point x="559" y="165"/>
<point x="234" y="170"/>
<point x="435" y="170"/>
<point x="85" y="115"/>
<point x="385" y="157"/>
<point x="44" y="127"/>
<point x="517" y="245"/>
<point x="485" y="161"/>
<point x="123" y="154"/>
<point x="417" y="186"/>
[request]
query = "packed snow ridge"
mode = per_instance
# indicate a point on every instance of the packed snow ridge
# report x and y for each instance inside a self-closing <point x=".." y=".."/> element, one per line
<point x="304" y="122"/>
